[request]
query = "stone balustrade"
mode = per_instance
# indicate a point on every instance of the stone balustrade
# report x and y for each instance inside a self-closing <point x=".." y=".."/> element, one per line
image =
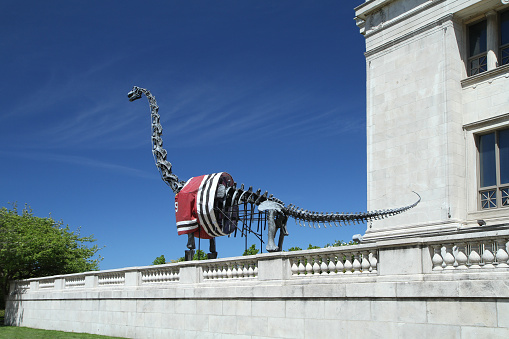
<point x="340" y="260"/>
<point x="115" y="278"/>
<point x="47" y="283"/>
<point x="75" y="282"/>
<point x="160" y="275"/>
<point x="478" y="249"/>
<point x="242" y="268"/>
<point x="487" y="253"/>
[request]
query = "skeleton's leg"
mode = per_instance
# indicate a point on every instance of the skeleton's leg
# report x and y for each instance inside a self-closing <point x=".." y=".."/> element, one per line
<point x="271" y="246"/>
<point x="281" y="224"/>
<point x="212" y="249"/>
<point x="282" y="234"/>
<point x="190" y="241"/>
<point x="191" y="245"/>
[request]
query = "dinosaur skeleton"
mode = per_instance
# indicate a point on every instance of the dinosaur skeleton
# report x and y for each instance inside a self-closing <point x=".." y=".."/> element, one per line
<point x="223" y="204"/>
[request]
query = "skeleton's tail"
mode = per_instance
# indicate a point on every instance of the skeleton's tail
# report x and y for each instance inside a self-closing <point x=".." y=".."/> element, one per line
<point x="158" y="151"/>
<point x="313" y="218"/>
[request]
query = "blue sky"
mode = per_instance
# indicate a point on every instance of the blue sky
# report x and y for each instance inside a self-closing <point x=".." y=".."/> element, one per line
<point x="272" y="92"/>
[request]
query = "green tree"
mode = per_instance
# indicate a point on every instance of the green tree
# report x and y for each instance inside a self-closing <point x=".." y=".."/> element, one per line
<point x="200" y="255"/>
<point x="311" y="247"/>
<point x="291" y="249"/>
<point x="35" y="247"/>
<point x="252" y="250"/>
<point x="159" y="260"/>
<point x="338" y="243"/>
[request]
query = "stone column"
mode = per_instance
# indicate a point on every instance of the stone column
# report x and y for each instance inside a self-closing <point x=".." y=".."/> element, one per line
<point x="274" y="269"/>
<point x="59" y="284"/>
<point x="132" y="278"/>
<point x="91" y="281"/>
<point x="492" y="39"/>
<point x="191" y="275"/>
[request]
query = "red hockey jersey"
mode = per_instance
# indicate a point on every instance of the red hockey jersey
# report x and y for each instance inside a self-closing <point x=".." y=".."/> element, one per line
<point x="195" y="204"/>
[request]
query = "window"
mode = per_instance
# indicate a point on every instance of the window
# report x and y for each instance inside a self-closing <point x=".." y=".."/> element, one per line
<point x="477" y="48"/>
<point x="493" y="151"/>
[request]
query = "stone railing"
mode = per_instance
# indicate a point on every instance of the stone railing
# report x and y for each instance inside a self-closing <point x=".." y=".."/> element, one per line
<point x="157" y="274"/>
<point x="335" y="261"/>
<point x="75" y="282"/>
<point x="472" y="250"/>
<point x="238" y="268"/>
<point x="113" y="278"/>
<point x="470" y="254"/>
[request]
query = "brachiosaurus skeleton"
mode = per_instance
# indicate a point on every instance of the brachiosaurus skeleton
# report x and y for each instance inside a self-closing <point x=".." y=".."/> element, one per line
<point x="227" y="197"/>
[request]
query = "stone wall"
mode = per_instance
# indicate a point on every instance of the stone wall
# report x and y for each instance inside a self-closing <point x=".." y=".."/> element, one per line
<point x="452" y="286"/>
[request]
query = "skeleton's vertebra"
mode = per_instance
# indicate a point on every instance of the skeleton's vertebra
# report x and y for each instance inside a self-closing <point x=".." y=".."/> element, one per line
<point x="226" y="198"/>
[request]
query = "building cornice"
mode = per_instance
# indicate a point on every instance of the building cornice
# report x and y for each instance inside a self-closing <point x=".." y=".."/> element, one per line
<point x="405" y="16"/>
<point x="369" y="6"/>
<point x="391" y="43"/>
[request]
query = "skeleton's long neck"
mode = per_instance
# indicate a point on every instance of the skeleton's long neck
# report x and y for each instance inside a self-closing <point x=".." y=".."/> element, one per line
<point x="158" y="151"/>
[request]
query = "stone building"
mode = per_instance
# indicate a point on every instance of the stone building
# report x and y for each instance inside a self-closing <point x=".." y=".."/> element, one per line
<point x="437" y="113"/>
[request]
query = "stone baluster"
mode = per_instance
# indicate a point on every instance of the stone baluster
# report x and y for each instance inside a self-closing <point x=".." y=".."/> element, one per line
<point x="302" y="267"/>
<point x="339" y="264"/>
<point x="356" y="265"/>
<point x="255" y="269"/>
<point x="309" y="266"/>
<point x="229" y="273"/>
<point x="250" y="271"/>
<point x="324" y="267"/>
<point x="245" y="271"/>
<point x="295" y="267"/>
<point x="348" y="263"/>
<point x="437" y="259"/>
<point x="449" y="257"/>
<point x="316" y="265"/>
<point x="373" y="261"/>
<point x="240" y="269"/>
<point x="332" y="266"/>
<point x="474" y="258"/>
<point x="487" y="254"/>
<point x="365" y="265"/>
<point x="235" y="272"/>
<point x="224" y="272"/>
<point x="502" y="255"/>
<point x="206" y="272"/>
<point x="461" y="257"/>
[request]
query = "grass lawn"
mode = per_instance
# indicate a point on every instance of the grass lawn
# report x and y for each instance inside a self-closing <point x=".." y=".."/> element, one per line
<point x="12" y="332"/>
